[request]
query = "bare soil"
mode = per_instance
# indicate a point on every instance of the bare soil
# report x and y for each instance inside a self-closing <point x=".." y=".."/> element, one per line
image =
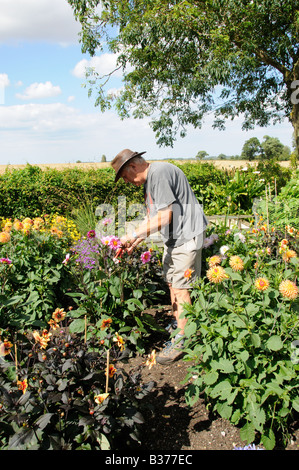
<point x="170" y="424"/>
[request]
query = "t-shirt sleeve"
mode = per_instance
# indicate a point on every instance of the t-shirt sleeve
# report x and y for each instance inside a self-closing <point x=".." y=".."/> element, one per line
<point x="162" y="190"/>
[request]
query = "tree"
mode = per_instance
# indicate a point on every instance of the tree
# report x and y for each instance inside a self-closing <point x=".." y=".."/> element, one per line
<point x="272" y="148"/>
<point x="183" y="59"/>
<point x="201" y="154"/>
<point x="252" y="149"/>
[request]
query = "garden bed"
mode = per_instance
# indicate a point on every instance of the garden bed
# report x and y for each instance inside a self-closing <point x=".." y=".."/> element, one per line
<point x="170" y="425"/>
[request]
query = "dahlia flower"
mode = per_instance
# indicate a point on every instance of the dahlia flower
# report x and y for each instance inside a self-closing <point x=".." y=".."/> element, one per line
<point x="145" y="257"/>
<point x="288" y="289"/>
<point x="216" y="274"/>
<point x="236" y="263"/>
<point x="288" y="254"/>
<point x="151" y="359"/>
<point x="59" y="315"/>
<point x="100" y="398"/>
<point x="188" y="273"/>
<point x="262" y="283"/>
<point x="214" y="260"/>
<point x="5" y="347"/>
<point x="114" y="243"/>
<point x="22" y="385"/>
<point x="4" y="237"/>
<point x="5" y="261"/>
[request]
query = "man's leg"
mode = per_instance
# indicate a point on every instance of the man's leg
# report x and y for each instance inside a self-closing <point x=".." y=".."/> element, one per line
<point x="178" y="298"/>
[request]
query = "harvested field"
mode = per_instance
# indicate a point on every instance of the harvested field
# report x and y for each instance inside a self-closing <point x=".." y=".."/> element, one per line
<point x="224" y="164"/>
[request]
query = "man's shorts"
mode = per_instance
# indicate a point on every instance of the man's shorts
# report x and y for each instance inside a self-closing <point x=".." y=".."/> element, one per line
<point x="178" y="260"/>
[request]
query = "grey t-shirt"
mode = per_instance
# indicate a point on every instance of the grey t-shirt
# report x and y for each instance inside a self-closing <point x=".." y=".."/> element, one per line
<point x="167" y="185"/>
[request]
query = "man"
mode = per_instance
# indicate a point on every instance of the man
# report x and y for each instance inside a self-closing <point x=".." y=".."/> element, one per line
<point x="174" y="211"/>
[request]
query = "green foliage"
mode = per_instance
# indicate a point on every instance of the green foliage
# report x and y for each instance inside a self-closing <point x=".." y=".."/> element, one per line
<point x="78" y="193"/>
<point x="35" y="192"/>
<point x="50" y="401"/>
<point x="282" y="210"/>
<point x="115" y="290"/>
<point x="181" y="52"/>
<point x="242" y="338"/>
<point x="35" y="281"/>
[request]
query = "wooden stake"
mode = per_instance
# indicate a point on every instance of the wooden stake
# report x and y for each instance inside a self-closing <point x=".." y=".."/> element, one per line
<point x="107" y="370"/>
<point x="16" y="360"/>
<point x="267" y="209"/>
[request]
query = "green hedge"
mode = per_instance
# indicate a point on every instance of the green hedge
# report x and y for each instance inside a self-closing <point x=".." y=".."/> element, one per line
<point x="32" y="191"/>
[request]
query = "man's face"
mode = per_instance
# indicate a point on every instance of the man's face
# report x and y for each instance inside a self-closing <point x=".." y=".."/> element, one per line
<point x="130" y="174"/>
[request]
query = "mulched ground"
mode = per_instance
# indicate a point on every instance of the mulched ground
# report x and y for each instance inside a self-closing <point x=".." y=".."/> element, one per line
<point x="169" y="423"/>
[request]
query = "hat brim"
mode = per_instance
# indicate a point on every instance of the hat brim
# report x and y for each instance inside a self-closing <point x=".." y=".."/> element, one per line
<point x="118" y="174"/>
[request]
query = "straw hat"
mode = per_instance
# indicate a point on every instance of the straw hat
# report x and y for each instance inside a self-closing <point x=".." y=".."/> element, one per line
<point x="122" y="159"/>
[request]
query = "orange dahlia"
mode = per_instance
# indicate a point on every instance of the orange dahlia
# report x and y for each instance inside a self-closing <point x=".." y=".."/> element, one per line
<point x="288" y="289"/>
<point x="288" y="254"/>
<point x="22" y="385"/>
<point x="59" y="315"/>
<point x="236" y="263"/>
<point x="188" y="273"/>
<point x="261" y="283"/>
<point x="106" y="323"/>
<point x="112" y="371"/>
<point x="216" y="274"/>
<point x="5" y="347"/>
<point x="4" y="237"/>
<point x="214" y="260"/>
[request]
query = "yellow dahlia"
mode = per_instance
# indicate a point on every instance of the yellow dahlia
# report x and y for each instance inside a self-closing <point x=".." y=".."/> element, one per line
<point x="288" y="289"/>
<point x="100" y="398"/>
<point x="216" y="274"/>
<point x="261" y="283"/>
<point x="236" y="263"/>
<point x="151" y="359"/>
<point x="18" y="225"/>
<point x="42" y="339"/>
<point x="120" y="341"/>
<point x="8" y="226"/>
<point x="214" y="260"/>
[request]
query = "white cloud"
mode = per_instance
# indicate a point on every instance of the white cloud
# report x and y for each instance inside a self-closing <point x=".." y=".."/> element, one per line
<point x="37" y="91"/>
<point x="102" y="64"/>
<point x="46" y="20"/>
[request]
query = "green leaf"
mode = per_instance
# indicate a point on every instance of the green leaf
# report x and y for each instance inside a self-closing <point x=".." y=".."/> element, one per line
<point x="222" y="389"/>
<point x="224" y="410"/>
<point x="268" y="439"/>
<point x="247" y="433"/>
<point x="274" y="343"/>
<point x="211" y="377"/>
<point x="295" y="403"/>
<point x="190" y="329"/>
<point x="225" y="365"/>
<point x="77" y="326"/>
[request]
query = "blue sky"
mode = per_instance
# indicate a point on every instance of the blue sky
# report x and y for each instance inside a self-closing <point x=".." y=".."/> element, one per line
<point x="46" y="115"/>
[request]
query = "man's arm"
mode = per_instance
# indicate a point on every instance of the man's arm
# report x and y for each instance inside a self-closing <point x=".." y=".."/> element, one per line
<point x="149" y="226"/>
